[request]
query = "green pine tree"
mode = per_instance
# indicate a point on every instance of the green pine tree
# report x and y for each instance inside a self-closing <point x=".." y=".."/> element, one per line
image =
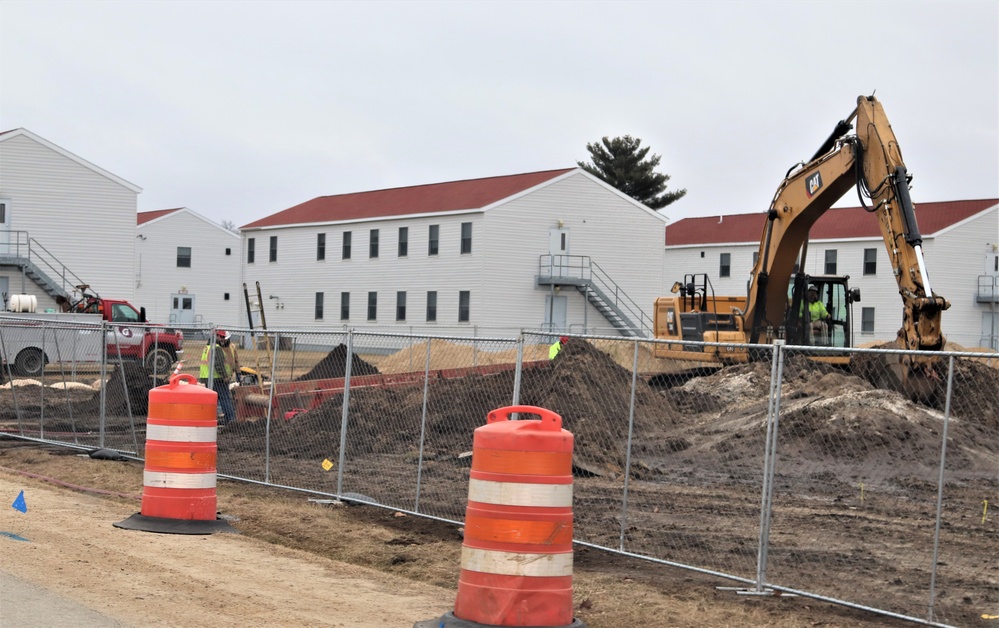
<point x="621" y="162"/>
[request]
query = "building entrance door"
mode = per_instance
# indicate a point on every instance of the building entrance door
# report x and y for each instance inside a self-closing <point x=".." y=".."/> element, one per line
<point x="556" y="307"/>
<point x="182" y="309"/>
<point x="558" y="248"/>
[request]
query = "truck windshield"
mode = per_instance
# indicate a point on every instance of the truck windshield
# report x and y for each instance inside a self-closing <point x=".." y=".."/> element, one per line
<point x="124" y="313"/>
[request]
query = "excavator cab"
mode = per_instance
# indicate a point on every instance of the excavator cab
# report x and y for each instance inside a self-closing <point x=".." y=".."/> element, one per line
<point x="805" y="322"/>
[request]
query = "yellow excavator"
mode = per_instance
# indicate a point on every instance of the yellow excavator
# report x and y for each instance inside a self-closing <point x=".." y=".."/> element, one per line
<point x="776" y="306"/>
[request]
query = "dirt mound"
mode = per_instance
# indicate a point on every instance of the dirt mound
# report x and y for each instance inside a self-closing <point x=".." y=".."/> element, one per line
<point x="592" y="392"/>
<point x="334" y="365"/>
<point x="832" y="420"/>
<point x="127" y="388"/>
<point x="975" y="386"/>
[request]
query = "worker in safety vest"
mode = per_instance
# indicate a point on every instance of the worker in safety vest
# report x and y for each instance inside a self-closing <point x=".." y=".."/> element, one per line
<point x="225" y="365"/>
<point x="818" y="316"/>
<point x="556" y="347"/>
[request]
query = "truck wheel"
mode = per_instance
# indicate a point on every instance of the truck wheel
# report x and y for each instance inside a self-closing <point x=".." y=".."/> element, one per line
<point x="159" y="361"/>
<point x="30" y="362"/>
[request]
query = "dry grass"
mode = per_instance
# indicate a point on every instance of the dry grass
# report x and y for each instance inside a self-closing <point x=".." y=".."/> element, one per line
<point x="609" y="591"/>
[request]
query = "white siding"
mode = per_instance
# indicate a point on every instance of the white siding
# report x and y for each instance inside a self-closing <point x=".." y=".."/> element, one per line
<point x="85" y="219"/>
<point x="956" y="257"/>
<point x="623" y="239"/>
<point x="297" y="275"/>
<point x="212" y="273"/>
<point x="507" y="240"/>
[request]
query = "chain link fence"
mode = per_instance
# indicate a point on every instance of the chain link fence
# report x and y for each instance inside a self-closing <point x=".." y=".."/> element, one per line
<point x="803" y="471"/>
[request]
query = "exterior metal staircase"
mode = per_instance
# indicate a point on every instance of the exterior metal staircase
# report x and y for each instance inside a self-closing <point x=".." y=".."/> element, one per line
<point x="583" y="274"/>
<point x="37" y="264"/>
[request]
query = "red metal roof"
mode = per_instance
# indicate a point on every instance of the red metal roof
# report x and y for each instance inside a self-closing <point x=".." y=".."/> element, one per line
<point x="144" y="217"/>
<point x="419" y="199"/>
<point x="847" y="222"/>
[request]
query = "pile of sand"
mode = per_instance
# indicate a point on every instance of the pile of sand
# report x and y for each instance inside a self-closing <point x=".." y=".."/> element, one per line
<point x="452" y="355"/>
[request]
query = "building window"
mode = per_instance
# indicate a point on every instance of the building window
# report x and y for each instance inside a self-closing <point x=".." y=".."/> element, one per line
<point x="273" y="251"/>
<point x="373" y="243"/>
<point x="831" y="262"/>
<point x="319" y="306"/>
<point x="431" y="306"/>
<point x="400" y="306"/>
<point x="756" y="258"/>
<point x="435" y="236"/>
<point x="345" y="306"/>
<point x="867" y="320"/>
<point x="320" y="247"/>
<point x="225" y="297"/>
<point x="403" y="241"/>
<point x="228" y="251"/>
<point x="346" y="245"/>
<point x="464" y="304"/>
<point x="466" y="237"/>
<point x="251" y="245"/>
<point x="183" y="257"/>
<point x="725" y="268"/>
<point x="372" y="306"/>
<point x="870" y="261"/>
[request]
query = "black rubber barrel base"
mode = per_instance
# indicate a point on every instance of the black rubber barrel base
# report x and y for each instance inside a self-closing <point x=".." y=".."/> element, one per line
<point x="448" y="620"/>
<point x="174" y="526"/>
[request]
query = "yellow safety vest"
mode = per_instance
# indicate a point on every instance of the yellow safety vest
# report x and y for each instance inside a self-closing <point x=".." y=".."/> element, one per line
<point x="203" y="371"/>
<point x="553" y="350"/>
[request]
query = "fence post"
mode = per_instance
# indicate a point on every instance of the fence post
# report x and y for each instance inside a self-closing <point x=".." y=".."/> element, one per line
<point x="423" y="426"/>
<point x="270" y="408"/>
<point x="104" y="389"/>
<point x="343" y="412"/>
<point x="940" y="489"/>
<point x="41" y="392"/>
<point x="769" y="458"/>
<point x="124" y="386"/>
<point x="517" y="372"/>
<point x="627" y="455"/>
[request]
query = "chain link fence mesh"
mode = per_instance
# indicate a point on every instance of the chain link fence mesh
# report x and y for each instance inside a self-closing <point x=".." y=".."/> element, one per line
<point x="799" y="471"/>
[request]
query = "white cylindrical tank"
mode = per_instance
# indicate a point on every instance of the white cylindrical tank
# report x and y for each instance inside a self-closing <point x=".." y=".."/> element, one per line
<point x="23" y="303"/>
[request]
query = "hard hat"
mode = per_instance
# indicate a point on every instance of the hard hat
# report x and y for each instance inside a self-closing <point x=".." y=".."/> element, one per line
<point x="812" y="289"/>
<point x="222" y="334"/>
<point x="563" y="339"/>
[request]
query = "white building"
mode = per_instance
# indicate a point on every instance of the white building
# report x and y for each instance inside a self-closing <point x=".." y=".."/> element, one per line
<point x="63" y="222"/>
<point x="960" y="245"/>
<point x="548" y="250"/>
<point x="187" y="269"/>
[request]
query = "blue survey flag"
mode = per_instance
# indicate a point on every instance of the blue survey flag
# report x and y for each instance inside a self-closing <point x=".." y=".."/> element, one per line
<point x="19" y="503"/>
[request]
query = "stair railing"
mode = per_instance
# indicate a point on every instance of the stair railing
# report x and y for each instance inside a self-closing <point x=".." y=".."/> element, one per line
<point x="582" y="267"/>
<point x="23" y="246"/>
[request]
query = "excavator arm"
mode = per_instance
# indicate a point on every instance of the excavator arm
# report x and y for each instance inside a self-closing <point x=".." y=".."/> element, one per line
<point x="871" y="160"/>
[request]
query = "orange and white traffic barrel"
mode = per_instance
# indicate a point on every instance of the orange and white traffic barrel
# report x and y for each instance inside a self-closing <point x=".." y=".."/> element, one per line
<point x="516" y="557"/>
<point x="179" y="480"/>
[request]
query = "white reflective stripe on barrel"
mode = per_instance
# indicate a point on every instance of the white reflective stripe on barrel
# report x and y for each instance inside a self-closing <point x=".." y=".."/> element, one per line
<point x="520" y="494"/>
<point x="159" y="479"/>
<point x="181" y="434"/>
<point x="516" y="564"/>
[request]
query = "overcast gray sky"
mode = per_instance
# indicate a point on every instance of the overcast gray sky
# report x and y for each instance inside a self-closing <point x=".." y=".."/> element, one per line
<point x="238" y="110"/>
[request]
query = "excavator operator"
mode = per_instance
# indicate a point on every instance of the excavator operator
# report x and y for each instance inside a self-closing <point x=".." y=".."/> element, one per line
<point x="818" y="315"/>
